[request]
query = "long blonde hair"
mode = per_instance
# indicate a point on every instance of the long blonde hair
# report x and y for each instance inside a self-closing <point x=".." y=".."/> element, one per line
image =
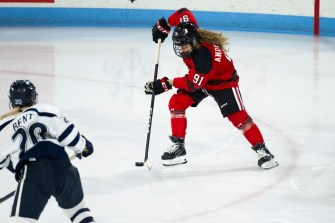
<point x="11" y="112"/>
<point x="215" y="38"/>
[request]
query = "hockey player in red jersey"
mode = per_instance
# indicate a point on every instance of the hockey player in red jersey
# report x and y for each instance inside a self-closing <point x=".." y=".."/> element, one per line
<point x="210" y="73"/>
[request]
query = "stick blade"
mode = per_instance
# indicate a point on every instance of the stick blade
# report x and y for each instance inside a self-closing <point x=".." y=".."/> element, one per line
<point x="148" y="165"/>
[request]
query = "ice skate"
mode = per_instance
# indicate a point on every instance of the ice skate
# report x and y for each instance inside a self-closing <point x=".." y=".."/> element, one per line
<point x="175" y="153"/>
<point x="265" y="158"/>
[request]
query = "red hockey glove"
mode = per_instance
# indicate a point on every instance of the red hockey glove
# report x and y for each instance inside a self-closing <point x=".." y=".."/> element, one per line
<point x="158" y="86"/>
<point x="160" y="30"/>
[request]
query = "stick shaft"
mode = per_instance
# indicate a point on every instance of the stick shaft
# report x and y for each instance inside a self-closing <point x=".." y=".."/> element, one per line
<point x="152" y="103"/>
<point x="6" y="197"/>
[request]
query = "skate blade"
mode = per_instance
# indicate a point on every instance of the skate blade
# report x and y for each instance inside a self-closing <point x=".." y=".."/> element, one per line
<point x="269" y="164"/>
<point x="175" y="161"/>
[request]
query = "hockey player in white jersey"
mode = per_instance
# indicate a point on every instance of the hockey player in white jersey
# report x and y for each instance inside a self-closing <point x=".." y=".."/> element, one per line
<point x="33" y="138"/>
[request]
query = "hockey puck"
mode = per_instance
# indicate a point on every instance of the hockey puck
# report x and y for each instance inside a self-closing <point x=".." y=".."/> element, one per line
<point x="139" y="164"/>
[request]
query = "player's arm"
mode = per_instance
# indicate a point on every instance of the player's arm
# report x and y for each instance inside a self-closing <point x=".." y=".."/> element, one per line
<point x="182" y="15"/>
<point x="162" y="27"/>
<point x="196" y="78"/>
<point x="68" y="135"/>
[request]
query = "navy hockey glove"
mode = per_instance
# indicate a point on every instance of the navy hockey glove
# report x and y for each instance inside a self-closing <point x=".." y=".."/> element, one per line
<point x="160" y="30"/>
<point x="158" y="86"/>
<point x="79" y="156"/>
<point x="88" y="149"/>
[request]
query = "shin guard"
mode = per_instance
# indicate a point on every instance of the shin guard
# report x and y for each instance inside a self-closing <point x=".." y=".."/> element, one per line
<point x="79" y="213"/>
<point x="178" y="124"/>
<point x="250" y="130"/>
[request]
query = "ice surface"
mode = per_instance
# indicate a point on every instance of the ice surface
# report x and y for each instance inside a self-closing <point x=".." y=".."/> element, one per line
<point x="96" y="77"/>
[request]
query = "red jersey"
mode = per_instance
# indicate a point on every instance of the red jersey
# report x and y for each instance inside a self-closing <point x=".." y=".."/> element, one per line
<point x="209" y="66"/>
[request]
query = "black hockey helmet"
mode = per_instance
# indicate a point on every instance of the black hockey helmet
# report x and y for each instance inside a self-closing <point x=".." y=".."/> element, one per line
<point x="184" y="33"/>
<point x="22" y="93"/>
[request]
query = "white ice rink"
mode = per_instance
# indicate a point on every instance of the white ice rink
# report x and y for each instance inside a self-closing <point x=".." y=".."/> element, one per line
<point x="96" y="77"/>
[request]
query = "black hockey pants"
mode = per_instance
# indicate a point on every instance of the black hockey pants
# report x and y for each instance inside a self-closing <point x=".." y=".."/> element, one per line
<point x="42" y="179"/>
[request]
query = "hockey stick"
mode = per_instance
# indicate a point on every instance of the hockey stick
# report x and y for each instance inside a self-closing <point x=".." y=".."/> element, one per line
<point x="11" y="194"/>
<point x="146" y="162"/>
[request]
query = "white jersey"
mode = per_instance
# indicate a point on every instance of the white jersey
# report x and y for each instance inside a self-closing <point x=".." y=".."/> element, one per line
<point x="37" y="132"/>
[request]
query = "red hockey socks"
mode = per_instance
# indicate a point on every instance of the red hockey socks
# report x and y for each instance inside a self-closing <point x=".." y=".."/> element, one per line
<point x="177" y="105"/>
<point x="250" y="130"/>
<point x="178" y="124"/>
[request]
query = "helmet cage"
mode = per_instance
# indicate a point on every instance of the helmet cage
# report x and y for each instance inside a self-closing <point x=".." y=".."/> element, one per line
<point x="22" y="93"/>
<point x="183" y="54"/>
<point x="183" y="34"/>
